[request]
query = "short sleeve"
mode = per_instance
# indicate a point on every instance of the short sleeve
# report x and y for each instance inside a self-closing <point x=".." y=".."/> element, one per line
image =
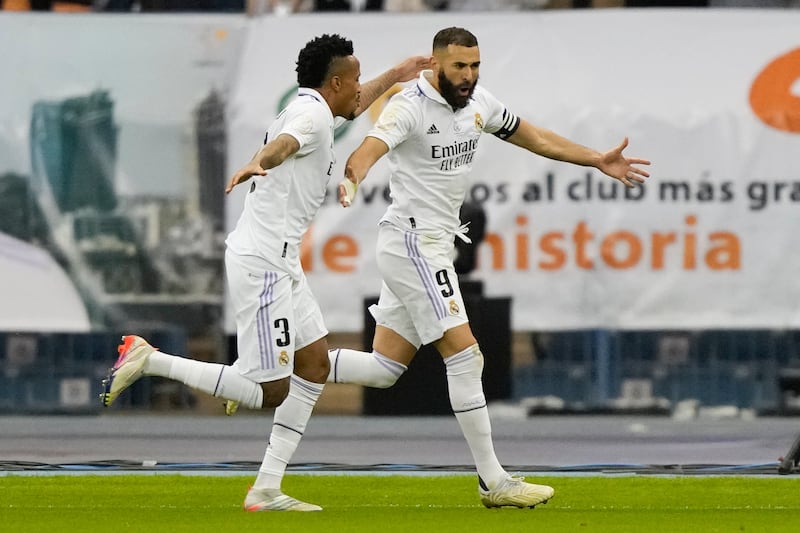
<point x="304" y="127"/>
<point x="500" y="121"/>
<point x="395" y="123"/>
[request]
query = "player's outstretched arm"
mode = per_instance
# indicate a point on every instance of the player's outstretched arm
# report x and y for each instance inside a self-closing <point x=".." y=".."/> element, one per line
<point x="270" y="156"/>
<point x="358" y="164"/>
<point x="553" y="146"/>
<point x="403" y="71"/>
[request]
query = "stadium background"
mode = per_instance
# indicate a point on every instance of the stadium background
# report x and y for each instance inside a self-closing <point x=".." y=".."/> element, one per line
<point x="118" y="132"/>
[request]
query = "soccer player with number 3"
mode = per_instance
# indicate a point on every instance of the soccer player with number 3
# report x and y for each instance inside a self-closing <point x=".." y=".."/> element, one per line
<point x="282" y="340"/>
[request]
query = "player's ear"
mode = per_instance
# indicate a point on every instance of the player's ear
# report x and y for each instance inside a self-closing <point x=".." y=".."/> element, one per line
<point x="433" y="64"/>
<point x="335" y="83"/>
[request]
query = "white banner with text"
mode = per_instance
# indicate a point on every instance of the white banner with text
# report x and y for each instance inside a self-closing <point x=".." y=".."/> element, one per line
<point x="711" y="97"/>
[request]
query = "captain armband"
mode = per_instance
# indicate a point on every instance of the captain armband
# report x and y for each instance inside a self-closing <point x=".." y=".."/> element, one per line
<point x="510" y="125"/>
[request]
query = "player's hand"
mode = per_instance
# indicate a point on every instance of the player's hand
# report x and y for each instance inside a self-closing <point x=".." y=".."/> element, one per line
<point x="411" y="67"/>
<point x="347" y="192"/>
<point x="620" y="167"/>
<point x="244" y="174"/>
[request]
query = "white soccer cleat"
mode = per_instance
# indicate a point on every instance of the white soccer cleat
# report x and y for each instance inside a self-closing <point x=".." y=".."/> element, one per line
<point x="133" y="354"/>
<point x="274" y="500"/>
<point x="514" y="492"/>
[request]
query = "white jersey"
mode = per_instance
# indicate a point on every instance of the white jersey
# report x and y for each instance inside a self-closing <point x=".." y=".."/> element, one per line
<point x="431" y="152"/>
<point x="280" y="206"/>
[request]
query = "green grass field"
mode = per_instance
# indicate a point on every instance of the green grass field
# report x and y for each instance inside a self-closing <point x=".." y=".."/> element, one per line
<point x="155" y="503"/>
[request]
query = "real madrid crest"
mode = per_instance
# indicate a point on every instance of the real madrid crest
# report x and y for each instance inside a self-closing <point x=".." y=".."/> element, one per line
<point x="454" y="309"/>
<point x="283" y="359"/>
<point x="478" y="122"/>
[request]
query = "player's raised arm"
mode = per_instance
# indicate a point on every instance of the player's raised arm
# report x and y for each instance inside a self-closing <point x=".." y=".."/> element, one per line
<point x="403" y="71"/>
<point x="270" y="156"/>
<point x="358" y="164"/>
<point x="553" y="146"/>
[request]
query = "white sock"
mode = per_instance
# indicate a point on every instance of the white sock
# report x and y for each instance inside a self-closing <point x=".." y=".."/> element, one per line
<point x="362" y="368"/>
<point x="212" y="378"/>
<point x="288" y="426"/>
<point x="465" y="387"/>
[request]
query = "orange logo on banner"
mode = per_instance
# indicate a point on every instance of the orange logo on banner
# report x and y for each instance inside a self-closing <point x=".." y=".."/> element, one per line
<point x="771" y="95"/>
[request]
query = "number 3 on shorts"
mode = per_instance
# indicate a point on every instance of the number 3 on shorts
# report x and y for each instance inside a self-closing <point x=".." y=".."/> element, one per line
<point x="283" y="338"/>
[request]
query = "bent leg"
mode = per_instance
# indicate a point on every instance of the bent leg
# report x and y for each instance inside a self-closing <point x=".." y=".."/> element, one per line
<point x="138" y="358"/>
<point x="380" y="369"/>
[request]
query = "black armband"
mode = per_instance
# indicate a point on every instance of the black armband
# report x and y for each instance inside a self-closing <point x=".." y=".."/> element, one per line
<point x="510" y="125"/>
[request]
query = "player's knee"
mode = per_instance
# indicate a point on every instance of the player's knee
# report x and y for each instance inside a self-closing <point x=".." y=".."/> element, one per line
<point x="315" y="371"/>
<point x="387" y="379"/>
<point x="319" y="372"/>
<point x="478" y="359"/>
<point x="387" y="371"/>
<point x="274" y="393"/>
<point x="469" y="362"/>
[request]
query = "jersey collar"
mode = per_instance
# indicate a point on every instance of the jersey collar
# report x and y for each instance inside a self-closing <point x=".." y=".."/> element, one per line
<point x="428" y="89"/>
<point x="307" y="91"/>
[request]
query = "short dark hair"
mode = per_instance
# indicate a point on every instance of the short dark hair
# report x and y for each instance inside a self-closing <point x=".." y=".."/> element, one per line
<point x="454" y="35"/>
<point x="315" y="59"/>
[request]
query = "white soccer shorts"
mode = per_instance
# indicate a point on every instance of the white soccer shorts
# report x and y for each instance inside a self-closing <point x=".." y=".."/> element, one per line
<point x="275" y="315"/>
<point x="420" y="297"/>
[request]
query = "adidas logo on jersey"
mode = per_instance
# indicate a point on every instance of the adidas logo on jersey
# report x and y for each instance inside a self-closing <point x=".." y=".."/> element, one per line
<point x="432" y="129"/>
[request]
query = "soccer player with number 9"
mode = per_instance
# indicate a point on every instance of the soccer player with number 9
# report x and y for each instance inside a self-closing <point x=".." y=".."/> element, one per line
<point x="430" y="133"/>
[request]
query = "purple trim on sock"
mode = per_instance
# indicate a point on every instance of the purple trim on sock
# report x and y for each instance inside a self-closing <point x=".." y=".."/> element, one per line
<point x="308" y="386"/>
<point x="394" y="368"/>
